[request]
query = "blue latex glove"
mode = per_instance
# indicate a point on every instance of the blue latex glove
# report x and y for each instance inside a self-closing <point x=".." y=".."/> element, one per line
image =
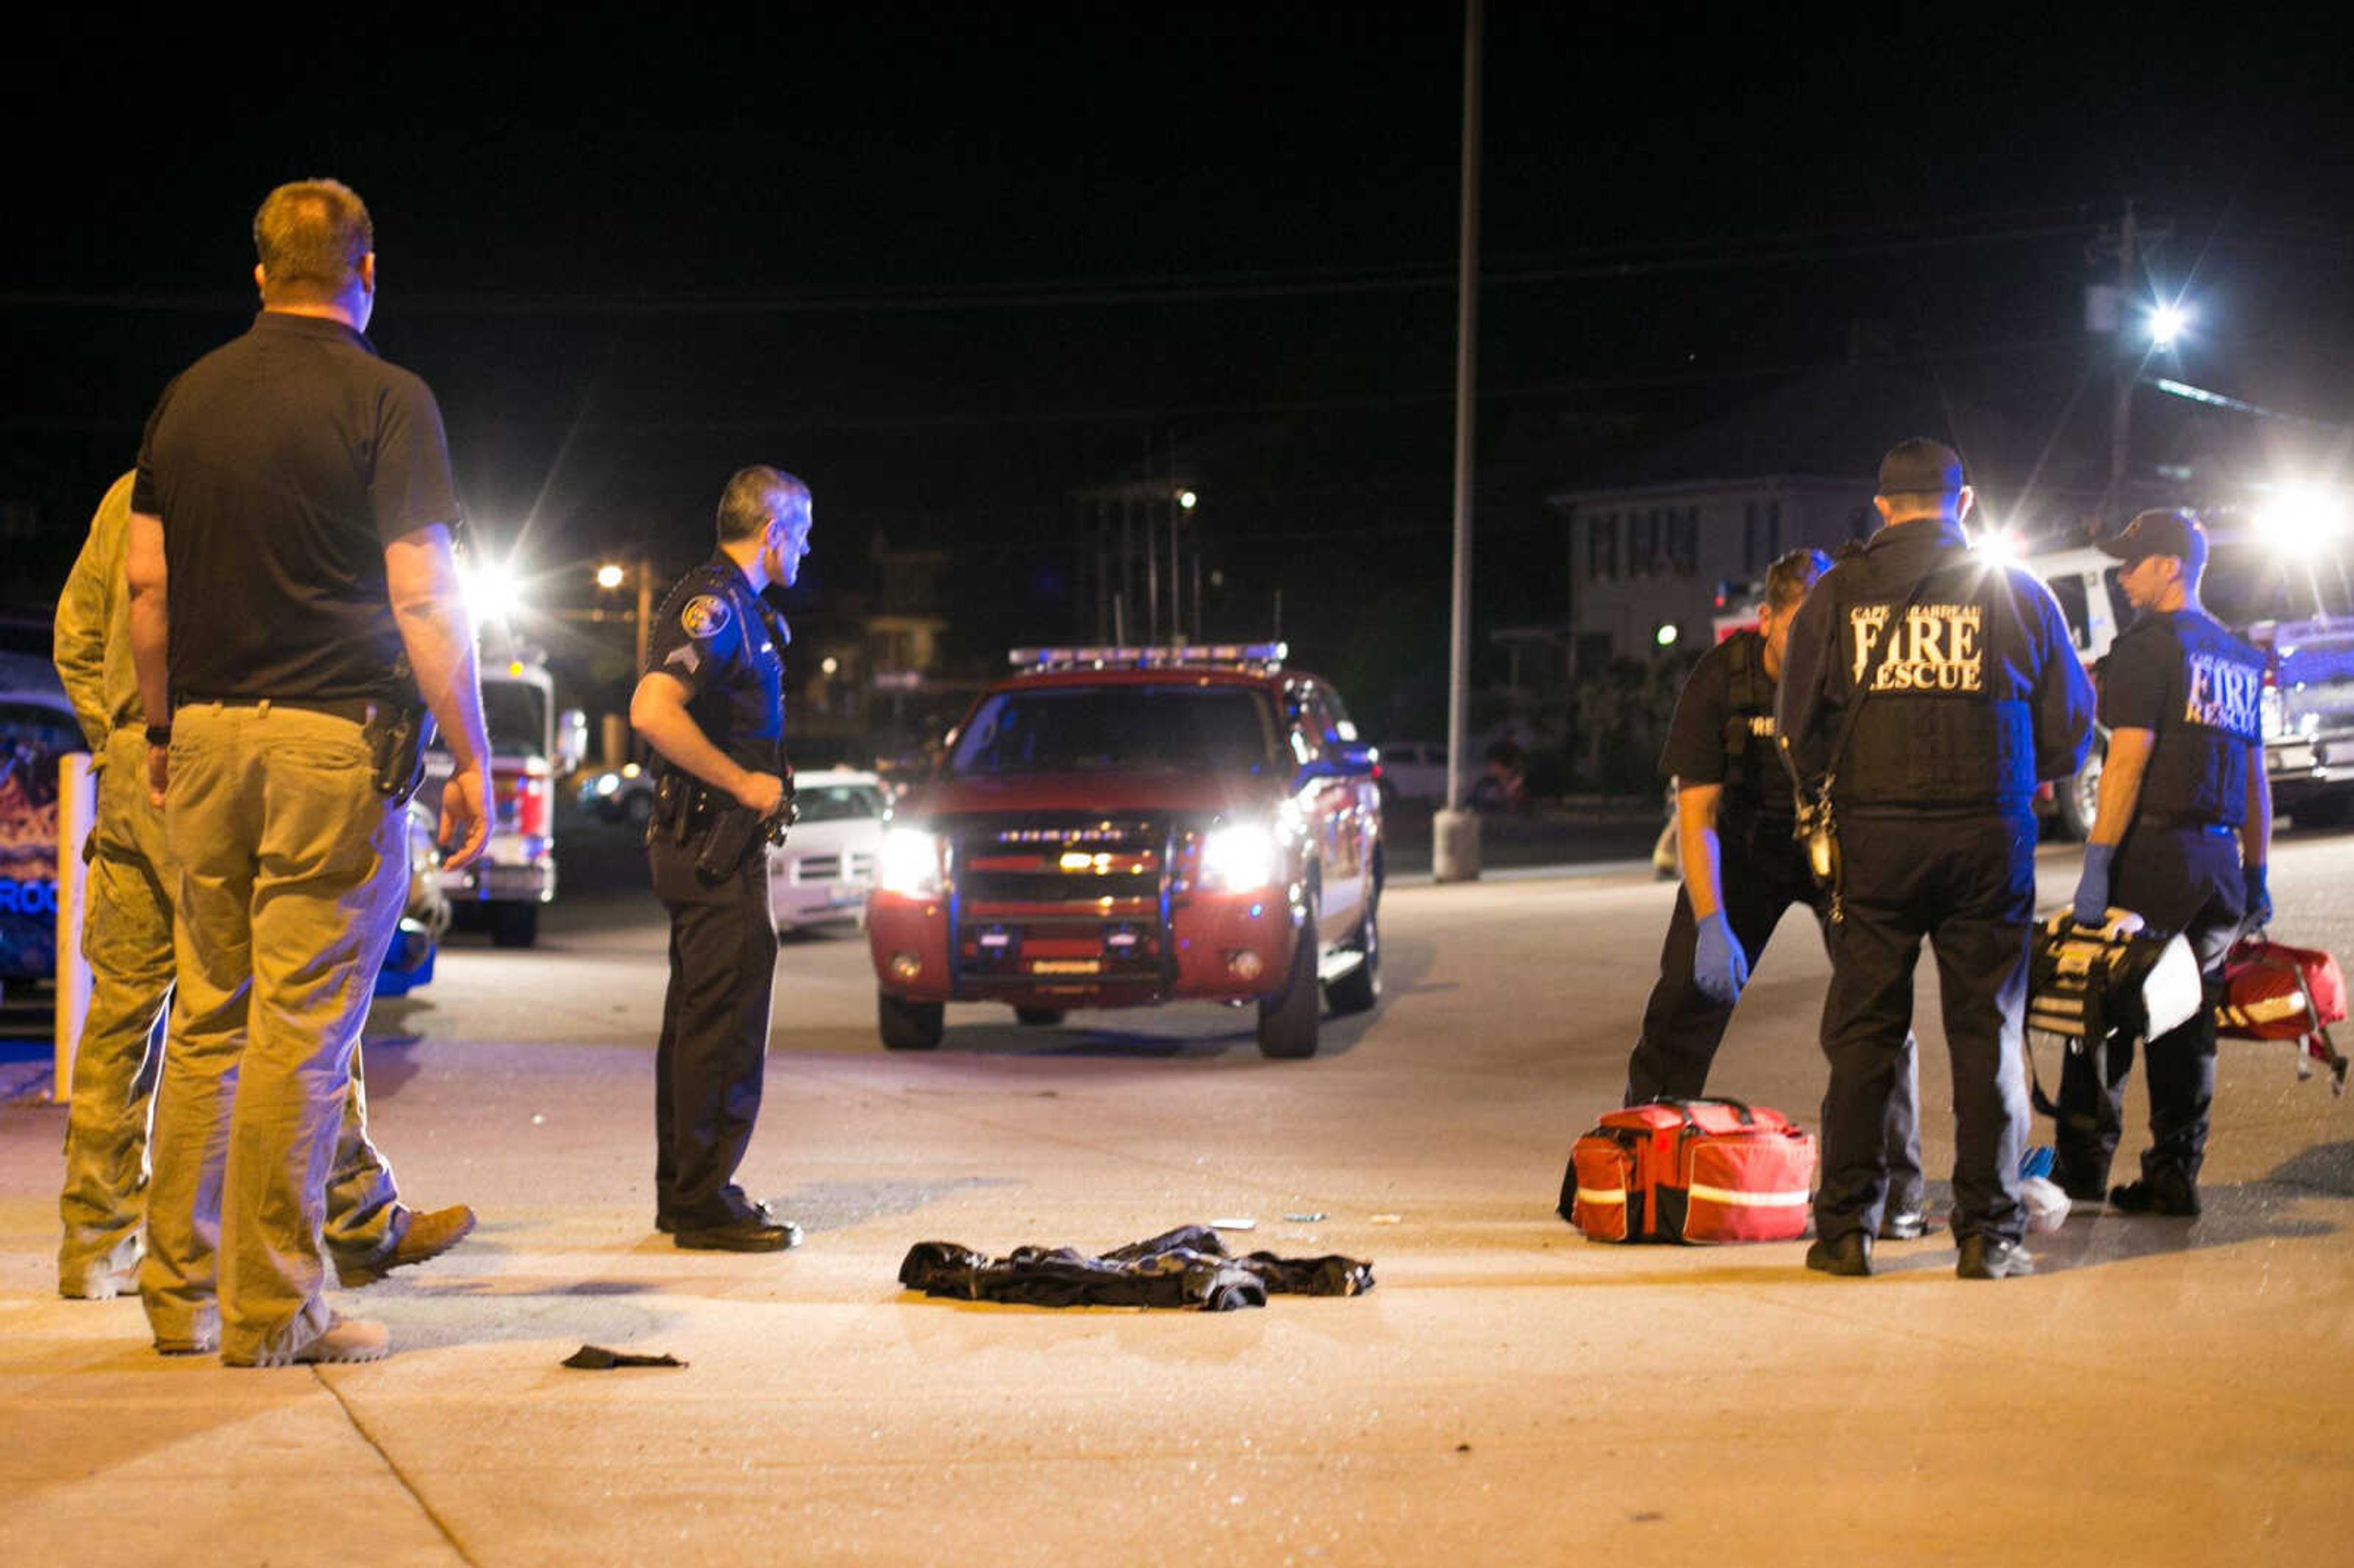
<point x="2093" y="886"/>
<point x="1719" y="966"/>
<point x="2259" y="902"/>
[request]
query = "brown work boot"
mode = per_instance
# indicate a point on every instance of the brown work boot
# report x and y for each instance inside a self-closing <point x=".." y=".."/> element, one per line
<point x="430" y="1233"/>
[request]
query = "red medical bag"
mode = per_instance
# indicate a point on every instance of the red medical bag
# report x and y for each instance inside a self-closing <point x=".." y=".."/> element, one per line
<point x="2275" y="992"/>
<point x="1691" y="1170"/>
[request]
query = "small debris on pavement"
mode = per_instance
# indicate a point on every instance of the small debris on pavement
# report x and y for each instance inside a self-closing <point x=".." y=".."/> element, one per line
<point x="1303" y="1219"/>
<point x="1384" y="1219"/>
<point x="1234" y="1224"/>
<point x="597" y="1358"/>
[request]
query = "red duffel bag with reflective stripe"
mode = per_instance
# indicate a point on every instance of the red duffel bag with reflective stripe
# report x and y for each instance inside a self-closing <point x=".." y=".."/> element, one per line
<point x="2275" y="992"/>
<point x="1691" y="1170"/>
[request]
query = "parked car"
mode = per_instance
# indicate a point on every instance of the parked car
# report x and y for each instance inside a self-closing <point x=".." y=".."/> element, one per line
<point x="409" y="961"/>
<point x="1414" y="770"/>
<point x="2299" y="612"/>
<point x="37" y="727"/>
<point x="1121" y="827"/>
<point x="623" y="794"/>
<point x="824" y="868"/>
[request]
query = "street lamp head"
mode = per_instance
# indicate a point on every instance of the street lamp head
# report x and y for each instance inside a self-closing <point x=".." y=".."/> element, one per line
<point x="2167" y="323"/>
<point x="609" y="576"/>
<point x="1186" y="498"/>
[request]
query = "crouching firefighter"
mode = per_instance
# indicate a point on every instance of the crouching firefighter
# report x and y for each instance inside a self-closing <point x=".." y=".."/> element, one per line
<point x="2179" y="837"/>
<point x="711" y="704"/>
<point x="1743" y="868"/>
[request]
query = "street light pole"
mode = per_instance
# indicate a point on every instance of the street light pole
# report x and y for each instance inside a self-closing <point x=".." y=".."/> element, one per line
<point x="1455" y="835"/>
<point x="2128" y="370"/>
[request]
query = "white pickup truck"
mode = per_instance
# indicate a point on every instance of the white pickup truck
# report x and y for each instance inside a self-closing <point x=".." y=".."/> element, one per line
<point x="531" y="746"/>
<point x="2297" y="609"/>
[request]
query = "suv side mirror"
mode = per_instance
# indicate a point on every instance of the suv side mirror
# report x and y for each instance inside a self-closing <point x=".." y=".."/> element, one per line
<point x="571" y="739"/>
<point x="1349" y="759"/>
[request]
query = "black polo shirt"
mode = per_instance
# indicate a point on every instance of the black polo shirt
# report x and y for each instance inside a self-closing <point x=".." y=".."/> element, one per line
<point x="282" y="464"/>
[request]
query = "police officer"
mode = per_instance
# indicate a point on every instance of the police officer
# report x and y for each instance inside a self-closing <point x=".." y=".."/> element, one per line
<point x="711" y="702"/>
<point x="2179" y="838"/>
<point x="1741" y="869"/>
<point x="1962" y="690"/>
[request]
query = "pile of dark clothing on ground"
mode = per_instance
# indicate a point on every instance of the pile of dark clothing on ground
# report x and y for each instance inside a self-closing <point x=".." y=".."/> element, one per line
<point x="1188" y="1267"/>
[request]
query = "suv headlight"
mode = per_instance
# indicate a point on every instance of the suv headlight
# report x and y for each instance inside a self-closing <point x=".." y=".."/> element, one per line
<point x="1240" y="857"/>
<point x="909" y="862"/>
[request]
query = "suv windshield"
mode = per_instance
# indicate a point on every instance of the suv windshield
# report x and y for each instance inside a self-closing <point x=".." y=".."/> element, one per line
<point x="837" y="803"/>
<point x="1105" y="728"/>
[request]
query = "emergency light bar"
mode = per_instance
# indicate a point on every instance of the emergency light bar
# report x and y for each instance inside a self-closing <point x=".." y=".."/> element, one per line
<point x="1268" y="655"/>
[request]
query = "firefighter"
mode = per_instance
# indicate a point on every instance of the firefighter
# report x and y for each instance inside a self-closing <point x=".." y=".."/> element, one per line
<point x="1741" y="869"/>
<point x="1931" y="690"/>
<point x="2180" y="838"/>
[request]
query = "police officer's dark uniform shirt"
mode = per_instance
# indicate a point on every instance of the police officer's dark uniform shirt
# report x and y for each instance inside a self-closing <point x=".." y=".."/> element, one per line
<point x="2199" y="690"/>
<point x="1980" y="696"/>
<point x="723" y="642"/>
<point x="282" y="464"/>
<point x="1723" y="734"/>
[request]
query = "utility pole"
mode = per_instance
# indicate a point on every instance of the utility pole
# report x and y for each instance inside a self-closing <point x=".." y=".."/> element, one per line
<point x="2128" y="370"/>
<point x="1455" y="834"/>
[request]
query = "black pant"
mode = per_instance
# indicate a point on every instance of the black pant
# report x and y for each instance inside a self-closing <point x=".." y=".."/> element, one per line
<point x="1967" y="883"/>
<point x="715" y="1034"/>
<point x="1761" y="873"/>
<point x="2183" y="879"/>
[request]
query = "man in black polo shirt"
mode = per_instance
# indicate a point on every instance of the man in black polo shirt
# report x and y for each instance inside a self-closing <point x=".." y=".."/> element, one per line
<point x="294" y="498"/>
<point x="2180" y="838"/>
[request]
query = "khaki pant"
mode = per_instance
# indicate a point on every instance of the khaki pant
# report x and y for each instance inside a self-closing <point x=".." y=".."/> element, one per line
<point x="292" y="872"/>
<point x="127" y="939"/>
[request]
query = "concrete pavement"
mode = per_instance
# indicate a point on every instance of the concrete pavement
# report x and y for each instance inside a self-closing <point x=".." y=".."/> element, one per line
<point x="2162" y="1392"/>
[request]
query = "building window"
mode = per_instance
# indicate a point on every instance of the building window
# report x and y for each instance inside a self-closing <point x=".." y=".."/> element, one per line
<point x="1602" y="545"/>
<point x="1683" y="540"/>
<point x="1773" y="531"/>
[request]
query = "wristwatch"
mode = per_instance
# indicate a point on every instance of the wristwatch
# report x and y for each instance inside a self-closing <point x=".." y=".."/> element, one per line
<point x="159" y="735"/>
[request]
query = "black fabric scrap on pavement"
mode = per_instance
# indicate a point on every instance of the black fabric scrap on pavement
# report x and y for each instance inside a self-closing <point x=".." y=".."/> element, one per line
<point x="1188" y="1267"/>
<point x="597" y="1358"/>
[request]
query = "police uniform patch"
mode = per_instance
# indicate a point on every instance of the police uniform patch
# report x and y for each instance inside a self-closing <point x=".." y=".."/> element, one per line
<point x="705" y="616"/>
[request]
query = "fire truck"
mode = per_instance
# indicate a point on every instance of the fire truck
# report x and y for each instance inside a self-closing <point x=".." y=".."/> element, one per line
<point x="532" y="745"/>
<point x="1122" y="827"/>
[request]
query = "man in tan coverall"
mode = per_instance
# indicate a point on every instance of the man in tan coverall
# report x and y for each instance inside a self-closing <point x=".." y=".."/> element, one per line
<point x="127" y="939"/>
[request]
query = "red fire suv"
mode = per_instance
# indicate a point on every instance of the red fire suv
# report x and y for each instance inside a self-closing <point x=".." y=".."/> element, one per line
<point x="1115" y="827"/>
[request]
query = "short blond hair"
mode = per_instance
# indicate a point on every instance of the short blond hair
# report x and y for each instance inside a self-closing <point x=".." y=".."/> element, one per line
<point x="311" y="237"/>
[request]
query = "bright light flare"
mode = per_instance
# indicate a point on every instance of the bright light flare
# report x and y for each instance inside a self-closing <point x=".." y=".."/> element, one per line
<point x="2169" y="322"/>
<point x="1667" y="634"/>
<point x="1999" y="546"/>
<point x="1239" y="857"/>
<point x="2299" y="519"/>
<point x="1187" y="499"/>
<point x="609" y="576"/>
<point x="909" y="862"/>
<point x="491" y="589"/>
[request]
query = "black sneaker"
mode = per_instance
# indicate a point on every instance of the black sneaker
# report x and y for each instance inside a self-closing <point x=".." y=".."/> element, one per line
<point x="1849" y="1255"/>
<point x="1991" y="1257"/>
<point x="2166" y="1193"/>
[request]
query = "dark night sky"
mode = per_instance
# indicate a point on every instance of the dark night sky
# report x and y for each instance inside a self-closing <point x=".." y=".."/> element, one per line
<point x="951" y="261"/>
